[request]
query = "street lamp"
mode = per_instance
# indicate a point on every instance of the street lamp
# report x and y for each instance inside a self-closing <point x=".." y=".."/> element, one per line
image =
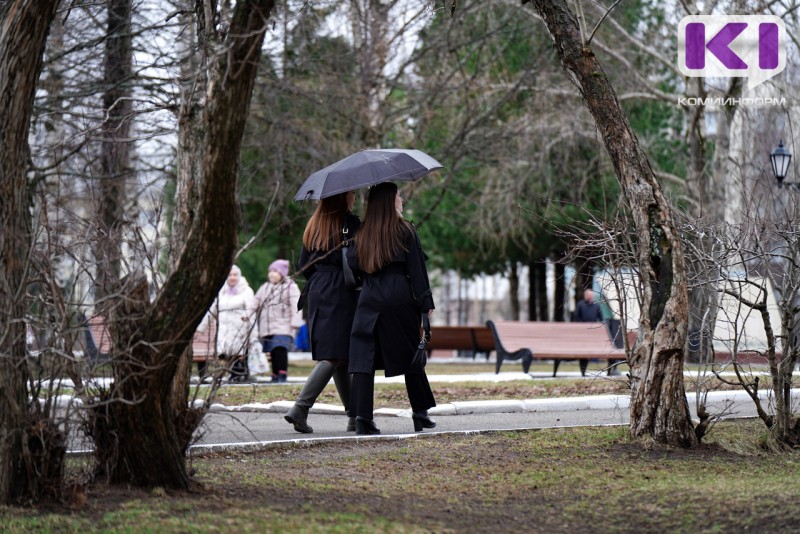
<point x="780" y="159"/>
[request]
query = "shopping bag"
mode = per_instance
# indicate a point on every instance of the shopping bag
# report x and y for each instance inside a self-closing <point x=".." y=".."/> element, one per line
<point x="256" y="360"/>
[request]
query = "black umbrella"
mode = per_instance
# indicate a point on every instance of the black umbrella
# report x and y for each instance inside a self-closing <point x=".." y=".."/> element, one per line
<point x="366" y="168"/>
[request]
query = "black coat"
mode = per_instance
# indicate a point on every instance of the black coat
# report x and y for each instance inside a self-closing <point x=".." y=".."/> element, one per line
<point x="587" y="313"/>
<point x="331" y="305"/>
<point x="386" y="328"/>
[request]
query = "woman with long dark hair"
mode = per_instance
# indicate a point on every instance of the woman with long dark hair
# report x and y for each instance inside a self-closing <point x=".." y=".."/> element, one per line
<point x="394" y="295"/>
<point x="331" y="304"/>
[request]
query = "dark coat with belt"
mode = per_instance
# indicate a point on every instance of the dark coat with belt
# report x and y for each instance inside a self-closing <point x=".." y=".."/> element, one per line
<point x="331" y="305"/>
<point x="386" y="327"/>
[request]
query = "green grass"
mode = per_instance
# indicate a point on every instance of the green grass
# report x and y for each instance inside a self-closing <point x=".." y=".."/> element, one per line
<point x="557" y="480"/>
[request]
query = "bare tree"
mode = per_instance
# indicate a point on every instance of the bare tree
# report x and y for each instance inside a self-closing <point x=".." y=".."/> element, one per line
<point x="25" y="26"/>
<point x="658" y="402"/>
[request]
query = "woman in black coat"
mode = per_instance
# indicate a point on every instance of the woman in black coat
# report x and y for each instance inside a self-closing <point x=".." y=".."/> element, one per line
<point x="331" y="305"/>
<point x="394" y="295"/>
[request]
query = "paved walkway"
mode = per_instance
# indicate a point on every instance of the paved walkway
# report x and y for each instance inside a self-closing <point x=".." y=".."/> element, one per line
<point x="262" y="425"/>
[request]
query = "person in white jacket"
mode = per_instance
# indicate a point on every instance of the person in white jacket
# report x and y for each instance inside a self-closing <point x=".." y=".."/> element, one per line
<point x="234" y="309"/>
<point x="278" y="318"/>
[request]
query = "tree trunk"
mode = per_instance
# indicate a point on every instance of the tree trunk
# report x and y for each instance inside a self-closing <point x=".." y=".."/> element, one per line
<point x="189" y="181"/>
<point x="540" y="277"/>
<point x="158" y="334"/>
<point x="533" y="314"/>
<point x="115" y="153"/>
<point x="513" y="291"/>
<point x="25" y="24"/>
<point x="658" y="400"/>
<point x="561" y="294"/>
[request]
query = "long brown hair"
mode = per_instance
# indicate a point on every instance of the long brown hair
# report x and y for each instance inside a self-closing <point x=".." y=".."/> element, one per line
<point x="324" y="228"/>
<point x="382" y="233"/>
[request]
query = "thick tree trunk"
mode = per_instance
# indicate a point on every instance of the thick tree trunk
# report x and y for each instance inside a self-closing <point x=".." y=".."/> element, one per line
<point x="658" y="401"/>
<point x="24" y="24"/>
<point x="160" y="336"/>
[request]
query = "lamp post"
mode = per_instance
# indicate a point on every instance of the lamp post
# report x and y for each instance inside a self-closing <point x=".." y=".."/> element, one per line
<point x="780" y="158"/>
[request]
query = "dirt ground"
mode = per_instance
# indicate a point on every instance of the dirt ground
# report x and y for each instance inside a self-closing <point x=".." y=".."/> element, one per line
<point x="568" y="480"/>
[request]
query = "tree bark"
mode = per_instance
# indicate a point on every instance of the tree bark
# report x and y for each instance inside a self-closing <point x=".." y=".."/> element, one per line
<point x="25" y="24"/>
<point x="658" y="400"/>
<point x="156" y="335"/>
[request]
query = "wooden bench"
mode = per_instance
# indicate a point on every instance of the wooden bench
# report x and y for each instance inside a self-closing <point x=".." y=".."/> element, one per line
<point x="552" y="341"/>
<point x="477" y="339"/>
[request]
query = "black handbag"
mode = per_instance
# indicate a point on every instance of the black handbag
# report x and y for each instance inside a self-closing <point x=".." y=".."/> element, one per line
<point x="349" y="278"/>
<point x="420" y="358"/>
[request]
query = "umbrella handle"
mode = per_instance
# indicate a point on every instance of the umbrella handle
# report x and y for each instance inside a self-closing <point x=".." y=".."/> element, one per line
<point x="426" y="327"/>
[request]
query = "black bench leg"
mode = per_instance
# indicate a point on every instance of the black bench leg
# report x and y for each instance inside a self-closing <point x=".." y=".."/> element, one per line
<point x="583" y="365"/>
<point x="498" y="363"/>
<point x="527" y="359"/>
<point x="556" y="363"/>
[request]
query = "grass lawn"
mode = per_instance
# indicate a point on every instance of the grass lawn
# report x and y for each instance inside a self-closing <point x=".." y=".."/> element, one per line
<point x="557" y="480"/>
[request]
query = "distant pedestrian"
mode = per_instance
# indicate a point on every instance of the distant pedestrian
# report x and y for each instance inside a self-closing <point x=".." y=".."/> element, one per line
<point x="234" y="323"/>
<point x="587" y="311"/>
<point x="278" y="318"/>
<point x="331" y="305"/>
<point x="395" y="294"/>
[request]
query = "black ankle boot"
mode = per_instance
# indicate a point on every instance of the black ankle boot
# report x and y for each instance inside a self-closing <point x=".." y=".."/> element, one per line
<point x="351" y="424"/>
<point x="421" y="420"/>
<point x="366" y="426"/>
<point x="297" y="417"/>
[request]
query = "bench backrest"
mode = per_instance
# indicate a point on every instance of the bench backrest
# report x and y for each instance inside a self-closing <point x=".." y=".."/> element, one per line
<point x="477" y="338"/>
<point x="557" y="340"/>
<point x="204" y="343"/>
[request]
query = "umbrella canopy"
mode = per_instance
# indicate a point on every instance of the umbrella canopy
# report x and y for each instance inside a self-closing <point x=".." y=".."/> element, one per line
<point x="366" y="168"/>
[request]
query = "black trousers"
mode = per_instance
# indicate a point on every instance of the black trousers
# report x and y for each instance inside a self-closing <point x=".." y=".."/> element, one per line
<point x="362" y="393"/>
<point x="280" y="360"/>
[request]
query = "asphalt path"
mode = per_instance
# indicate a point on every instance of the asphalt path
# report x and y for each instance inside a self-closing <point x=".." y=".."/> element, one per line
<point x="266" y="426"/>
<point x="263" y="425"/>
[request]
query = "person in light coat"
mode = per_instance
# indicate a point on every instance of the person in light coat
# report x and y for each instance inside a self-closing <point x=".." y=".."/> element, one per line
<point x="234" y="310"/>
<point x="278" y="318"/>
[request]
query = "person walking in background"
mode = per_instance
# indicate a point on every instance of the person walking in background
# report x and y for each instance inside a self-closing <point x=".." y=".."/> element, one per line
<point x="278" y="318"/>
<point x="395" y="294"/>
<point x="331" y="305"/>
<point x="234" y="323"/>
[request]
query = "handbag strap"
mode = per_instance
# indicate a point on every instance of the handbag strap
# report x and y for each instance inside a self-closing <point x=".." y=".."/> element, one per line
<point x="426" y="327"/>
